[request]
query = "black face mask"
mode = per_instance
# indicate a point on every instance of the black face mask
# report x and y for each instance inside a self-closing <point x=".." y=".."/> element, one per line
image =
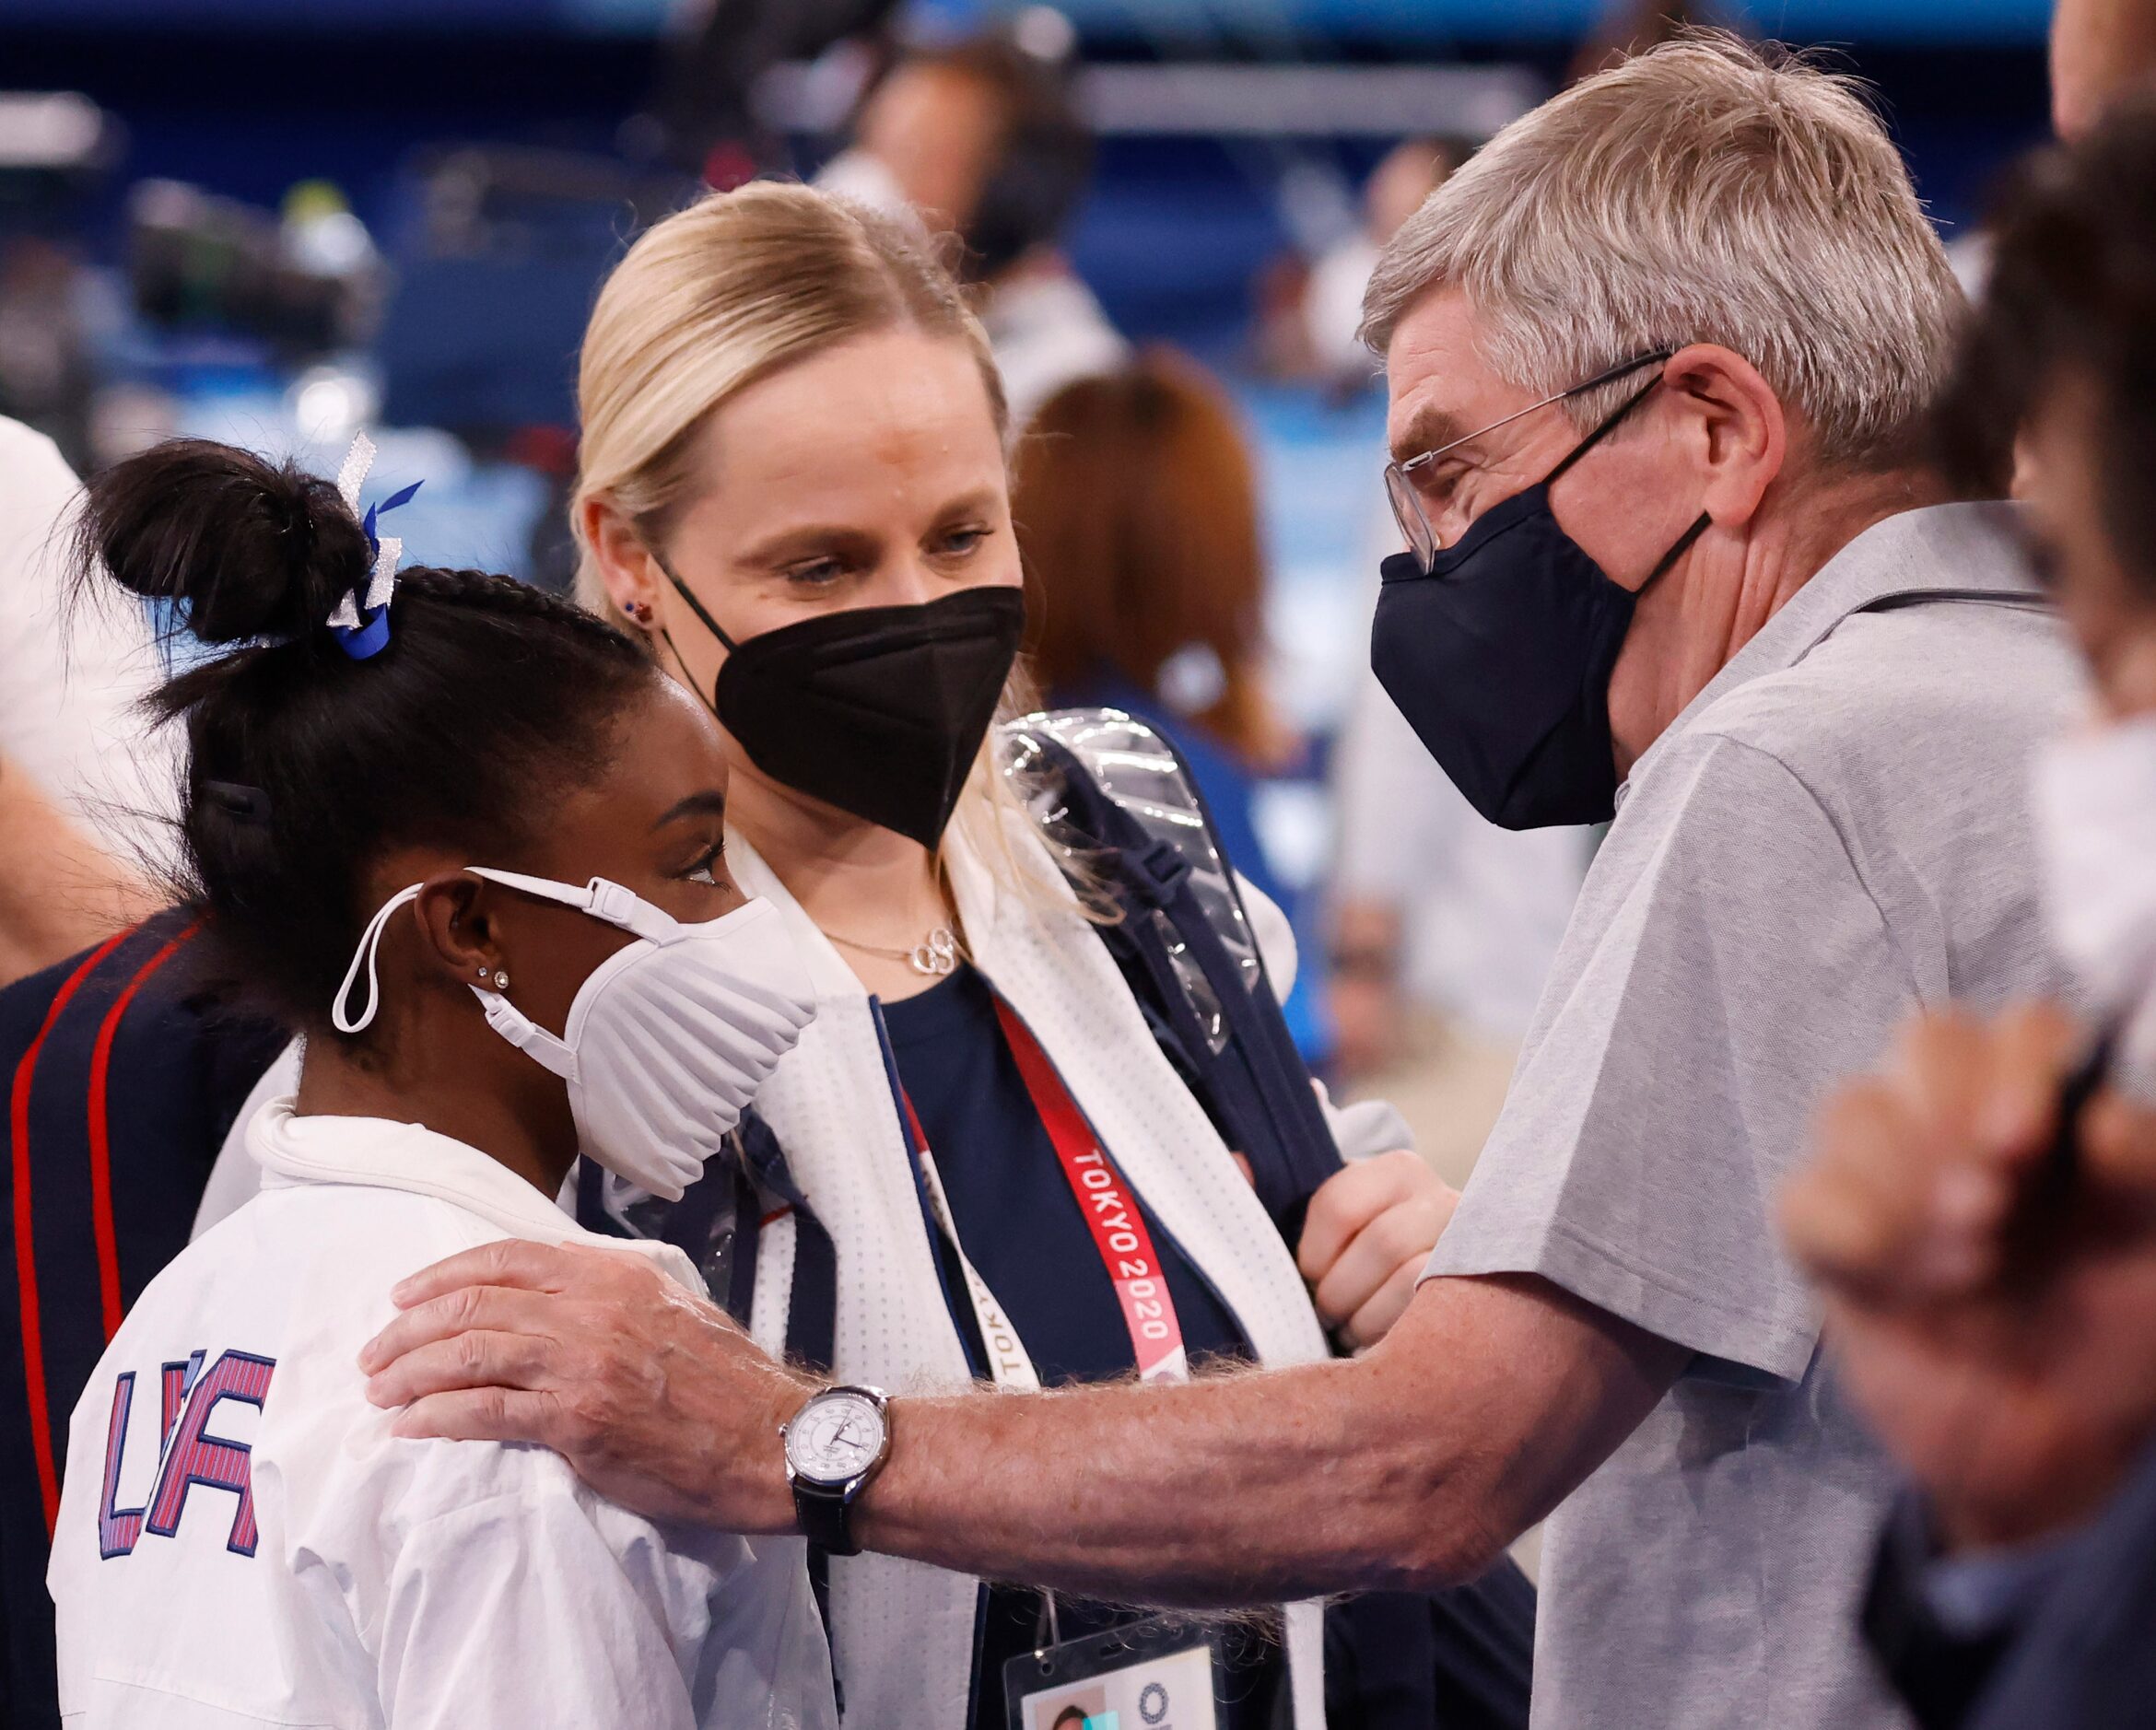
<point x="1500" y="657"/>
<point x="880" y="710"/>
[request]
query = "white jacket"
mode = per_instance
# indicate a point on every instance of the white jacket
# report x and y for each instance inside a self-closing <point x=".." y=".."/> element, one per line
<point x="903" y="1632"/>
<point x="283" y="1559"/>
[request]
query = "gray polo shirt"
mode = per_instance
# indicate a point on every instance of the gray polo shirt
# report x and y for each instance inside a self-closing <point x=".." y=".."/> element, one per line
<point x="1832" y="834"/>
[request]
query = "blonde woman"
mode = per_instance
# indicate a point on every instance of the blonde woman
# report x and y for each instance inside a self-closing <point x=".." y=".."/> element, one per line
<point x="794" y="490"/>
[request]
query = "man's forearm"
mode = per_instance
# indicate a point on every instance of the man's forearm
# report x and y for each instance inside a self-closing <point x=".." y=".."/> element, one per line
<point x="1490" y="1400"/>
<point x="1412" y="1465"/>
<point x="1239" y="1489"/>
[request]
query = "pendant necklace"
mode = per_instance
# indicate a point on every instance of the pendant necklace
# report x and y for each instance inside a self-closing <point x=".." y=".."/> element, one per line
<point x="935" y="955"/>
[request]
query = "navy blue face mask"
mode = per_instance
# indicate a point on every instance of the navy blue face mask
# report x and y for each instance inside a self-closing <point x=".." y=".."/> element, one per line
<point x="1499" y="656"/>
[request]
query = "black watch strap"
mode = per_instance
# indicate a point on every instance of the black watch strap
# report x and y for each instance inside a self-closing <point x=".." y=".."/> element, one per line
<point x="825" y="1517"/>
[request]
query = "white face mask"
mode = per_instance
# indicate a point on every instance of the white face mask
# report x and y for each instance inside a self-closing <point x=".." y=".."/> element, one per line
<point x="666" y="1042"/>
<point x="2095" y="810"/>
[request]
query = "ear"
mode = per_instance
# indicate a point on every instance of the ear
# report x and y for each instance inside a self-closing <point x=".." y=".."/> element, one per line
<point x="631" y="573"/>
<point x="456" y="927"/>
<point x="1737" y="428"/>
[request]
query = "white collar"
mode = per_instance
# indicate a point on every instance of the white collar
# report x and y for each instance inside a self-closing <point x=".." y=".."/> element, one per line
<point x="379" y="1154"/>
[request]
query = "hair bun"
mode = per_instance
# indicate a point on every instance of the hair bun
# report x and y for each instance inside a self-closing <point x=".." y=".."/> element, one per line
<point x="250" y="548"/>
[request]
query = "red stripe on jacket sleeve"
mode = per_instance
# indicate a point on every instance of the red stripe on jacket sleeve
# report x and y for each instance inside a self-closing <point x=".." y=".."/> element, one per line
<point x="26" y="1262"/>
<point x="100" y="1140"/>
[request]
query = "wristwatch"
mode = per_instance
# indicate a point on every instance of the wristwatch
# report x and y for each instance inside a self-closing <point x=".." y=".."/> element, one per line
<point x="834" y="1445"/>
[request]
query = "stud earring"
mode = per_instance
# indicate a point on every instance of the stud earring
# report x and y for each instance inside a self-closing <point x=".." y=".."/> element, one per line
<point x="500" y="980"/>
<point x="641" y="612"/>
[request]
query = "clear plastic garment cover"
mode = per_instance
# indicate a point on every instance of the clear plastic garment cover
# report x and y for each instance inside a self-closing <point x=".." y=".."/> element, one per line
<point x="1136" y="768"/>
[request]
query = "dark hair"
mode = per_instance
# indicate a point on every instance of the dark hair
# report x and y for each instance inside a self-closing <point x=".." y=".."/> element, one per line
<point x="2072" y="290"/>
<point x="305" y="765"/>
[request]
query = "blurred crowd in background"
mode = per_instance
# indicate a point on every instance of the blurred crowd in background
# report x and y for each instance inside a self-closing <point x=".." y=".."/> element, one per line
<point x="279" y="224"/>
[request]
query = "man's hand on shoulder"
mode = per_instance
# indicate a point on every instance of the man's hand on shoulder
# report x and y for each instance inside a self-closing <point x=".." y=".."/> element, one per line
<point x="656" y="1397"/>
<point x="2002" y="1344"/>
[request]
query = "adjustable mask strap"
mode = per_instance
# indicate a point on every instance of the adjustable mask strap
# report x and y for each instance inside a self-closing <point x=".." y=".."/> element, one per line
<point x="602" y="897"/>
<point x="369" y="941"/>
<point x="526" y="1035"/>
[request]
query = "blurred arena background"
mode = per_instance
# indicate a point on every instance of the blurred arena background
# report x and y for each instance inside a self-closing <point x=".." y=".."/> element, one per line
<point x="274" y="221"/>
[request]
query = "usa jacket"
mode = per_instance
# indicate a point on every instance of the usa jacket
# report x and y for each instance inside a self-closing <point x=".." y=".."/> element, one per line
<point x="241" y="1540"/>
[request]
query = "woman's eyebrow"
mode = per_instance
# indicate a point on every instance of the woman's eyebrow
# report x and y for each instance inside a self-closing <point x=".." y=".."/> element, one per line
<point x="802" y="542"/>
<point x="710" y="802"/>
<point x="980" y="498"/>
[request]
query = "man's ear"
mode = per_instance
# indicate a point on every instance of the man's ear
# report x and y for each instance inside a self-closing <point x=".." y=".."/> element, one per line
<point x="1737" y="428"/>
<point x="626" y="564"/>
<point x="457" y="928"/>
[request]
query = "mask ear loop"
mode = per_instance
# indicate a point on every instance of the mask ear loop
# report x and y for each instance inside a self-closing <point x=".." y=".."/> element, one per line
<point x="1600" y="433"/>
<point x="369" y="941"/>
<point x="709" y="699"/>
<point x="695" y="606"/>
<point x="1685" y="540"/>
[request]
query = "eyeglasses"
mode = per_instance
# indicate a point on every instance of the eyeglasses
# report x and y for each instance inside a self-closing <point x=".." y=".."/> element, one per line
<point x="1407" y="505"/>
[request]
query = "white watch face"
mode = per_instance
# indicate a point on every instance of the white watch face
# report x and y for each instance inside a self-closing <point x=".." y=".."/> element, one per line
<point x="836" y="1437"/>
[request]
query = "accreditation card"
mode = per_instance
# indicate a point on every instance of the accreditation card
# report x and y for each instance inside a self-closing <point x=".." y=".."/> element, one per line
<point x="1157" y="1675"/>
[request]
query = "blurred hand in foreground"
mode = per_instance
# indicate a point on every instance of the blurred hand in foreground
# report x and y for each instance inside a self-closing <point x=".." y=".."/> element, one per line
<point x="2000" y="1335"/>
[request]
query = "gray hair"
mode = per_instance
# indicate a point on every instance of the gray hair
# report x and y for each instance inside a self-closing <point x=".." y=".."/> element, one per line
<point x="1704" y="192"/>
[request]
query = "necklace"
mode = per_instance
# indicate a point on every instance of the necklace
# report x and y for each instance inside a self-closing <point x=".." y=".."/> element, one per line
<point x="936" y="954"/>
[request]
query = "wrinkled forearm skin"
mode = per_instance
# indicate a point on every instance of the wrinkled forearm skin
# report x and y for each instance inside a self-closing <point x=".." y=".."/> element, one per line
<point x="1410" y="1467"/>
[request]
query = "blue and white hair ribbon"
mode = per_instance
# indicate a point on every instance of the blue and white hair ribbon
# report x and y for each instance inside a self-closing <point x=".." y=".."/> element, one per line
<point x="361" y="621"/>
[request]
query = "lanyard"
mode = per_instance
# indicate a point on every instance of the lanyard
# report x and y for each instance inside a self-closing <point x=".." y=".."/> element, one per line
<point x="1120" y="1232"/>
<point x="1010" y="1365"/>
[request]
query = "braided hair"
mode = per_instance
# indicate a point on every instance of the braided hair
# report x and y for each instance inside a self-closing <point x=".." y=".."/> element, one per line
<point x="305" y="766"/>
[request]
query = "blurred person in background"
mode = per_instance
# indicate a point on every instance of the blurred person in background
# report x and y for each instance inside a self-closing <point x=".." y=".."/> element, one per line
<point x="2100" y="51"/>
<point x="1135" y="499"/>
<point x="1442" y="933"/>
<point x="87" y="784"/>
<point x="1982" y="1217"/>
<point x="704" y="113"/>
<point x="1631" y="27"/>
<point x="1657" y="357"/>
<point x="983" y="140"/>
<point x="1332" y="304"/>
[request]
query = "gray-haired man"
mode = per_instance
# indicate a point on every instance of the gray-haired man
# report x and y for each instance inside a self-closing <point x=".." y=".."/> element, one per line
<point x="1654" y="360"/>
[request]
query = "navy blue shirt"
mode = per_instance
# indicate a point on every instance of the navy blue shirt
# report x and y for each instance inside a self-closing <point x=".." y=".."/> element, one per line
<point x="1026" y="1234"/>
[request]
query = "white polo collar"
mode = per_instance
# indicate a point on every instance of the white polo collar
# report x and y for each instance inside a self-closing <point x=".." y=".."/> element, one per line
<point x="377" y="1153"/>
